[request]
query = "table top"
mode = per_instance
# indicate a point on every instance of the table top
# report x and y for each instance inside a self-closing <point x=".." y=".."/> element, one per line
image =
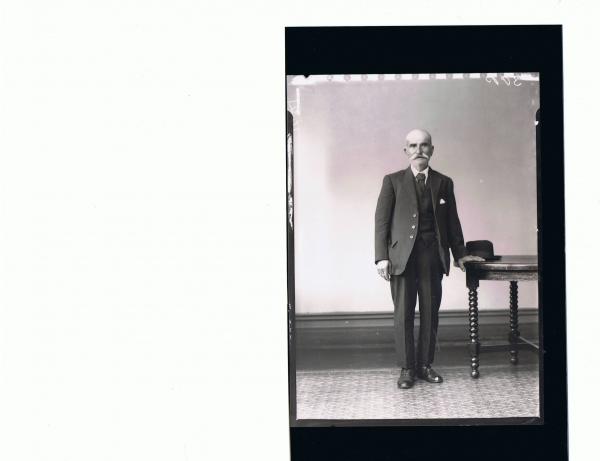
<point x="506" y="263"/>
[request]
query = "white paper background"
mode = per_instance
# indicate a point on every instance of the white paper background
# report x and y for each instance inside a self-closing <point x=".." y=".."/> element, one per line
<point x="142" y="245"/>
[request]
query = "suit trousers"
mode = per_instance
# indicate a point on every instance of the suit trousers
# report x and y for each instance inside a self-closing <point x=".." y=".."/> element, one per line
<point x="423" y="278"/>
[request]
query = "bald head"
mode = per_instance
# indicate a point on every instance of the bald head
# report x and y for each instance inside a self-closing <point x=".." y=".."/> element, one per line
<point x="418" y="134"/>
<point x="419" y="148"/>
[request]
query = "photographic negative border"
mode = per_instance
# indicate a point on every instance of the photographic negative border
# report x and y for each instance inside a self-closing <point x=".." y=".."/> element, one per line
<point x="451" y="49"/>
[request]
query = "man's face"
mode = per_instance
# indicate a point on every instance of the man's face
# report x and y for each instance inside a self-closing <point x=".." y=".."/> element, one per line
<point x="418" y="149"/>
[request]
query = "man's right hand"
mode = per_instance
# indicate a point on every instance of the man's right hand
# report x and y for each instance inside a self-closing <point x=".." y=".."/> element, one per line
<point x="383" y="269"/>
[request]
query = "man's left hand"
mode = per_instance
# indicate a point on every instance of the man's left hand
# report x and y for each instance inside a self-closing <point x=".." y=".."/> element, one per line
<point x="465" y="259"/>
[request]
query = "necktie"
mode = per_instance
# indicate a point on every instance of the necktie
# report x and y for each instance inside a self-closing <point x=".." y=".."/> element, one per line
<point x="420" y="183"/>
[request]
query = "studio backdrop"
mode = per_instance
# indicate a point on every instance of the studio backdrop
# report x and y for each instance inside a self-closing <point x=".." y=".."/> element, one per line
<point x="349" y="132"/>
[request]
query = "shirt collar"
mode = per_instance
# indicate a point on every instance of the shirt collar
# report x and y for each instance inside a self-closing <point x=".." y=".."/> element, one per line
<point x="416" y="172"/>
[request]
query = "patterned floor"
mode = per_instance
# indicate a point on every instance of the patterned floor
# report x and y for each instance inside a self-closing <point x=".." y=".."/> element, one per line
<point x="502" y="391"/>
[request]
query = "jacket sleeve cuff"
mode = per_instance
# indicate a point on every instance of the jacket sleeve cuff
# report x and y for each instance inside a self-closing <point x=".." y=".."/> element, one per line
<point x="381" y="259"/>
<point x="459" y="252"/>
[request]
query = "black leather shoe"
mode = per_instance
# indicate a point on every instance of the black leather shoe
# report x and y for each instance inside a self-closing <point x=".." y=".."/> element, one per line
<point x="429" y="374"/>
<point x="407" y="378"/>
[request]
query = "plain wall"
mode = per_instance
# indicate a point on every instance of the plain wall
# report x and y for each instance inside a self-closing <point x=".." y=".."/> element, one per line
<point x="348" y="135"/>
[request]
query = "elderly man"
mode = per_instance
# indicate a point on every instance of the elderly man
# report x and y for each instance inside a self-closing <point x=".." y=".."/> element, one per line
<point x="416" y="223"/>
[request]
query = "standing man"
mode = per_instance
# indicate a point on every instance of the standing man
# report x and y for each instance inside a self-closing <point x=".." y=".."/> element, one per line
<point x="416" y="223"/>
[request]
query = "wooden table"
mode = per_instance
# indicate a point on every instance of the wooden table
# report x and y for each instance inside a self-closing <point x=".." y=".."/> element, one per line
<point x="507" y="268"/>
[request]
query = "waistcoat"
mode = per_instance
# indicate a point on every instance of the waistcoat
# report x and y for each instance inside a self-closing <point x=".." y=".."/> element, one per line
<point x="426" y="217"/>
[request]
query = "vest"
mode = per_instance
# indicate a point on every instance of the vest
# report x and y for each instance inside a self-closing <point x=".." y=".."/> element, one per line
<point x="426" y="217"/>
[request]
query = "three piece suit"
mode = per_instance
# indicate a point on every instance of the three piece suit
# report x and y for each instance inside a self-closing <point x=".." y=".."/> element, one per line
<point x="416" y="225"/>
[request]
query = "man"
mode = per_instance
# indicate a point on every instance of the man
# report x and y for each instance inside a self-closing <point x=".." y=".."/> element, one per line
<point x="416" y="223"/>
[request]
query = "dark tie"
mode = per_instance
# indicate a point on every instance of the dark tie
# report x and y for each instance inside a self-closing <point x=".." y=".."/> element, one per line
<point x="420" y="183"/>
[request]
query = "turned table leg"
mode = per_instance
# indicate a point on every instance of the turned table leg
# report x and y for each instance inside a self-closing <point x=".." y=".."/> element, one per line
<point x="513" y="336"/>
<point x="474" y="331"/>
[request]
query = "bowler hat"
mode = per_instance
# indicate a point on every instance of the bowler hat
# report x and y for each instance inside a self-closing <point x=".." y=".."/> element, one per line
<point x="482" y="248"/>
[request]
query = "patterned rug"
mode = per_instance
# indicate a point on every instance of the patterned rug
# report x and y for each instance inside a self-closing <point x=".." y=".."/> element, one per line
<point x="502" y="391"/>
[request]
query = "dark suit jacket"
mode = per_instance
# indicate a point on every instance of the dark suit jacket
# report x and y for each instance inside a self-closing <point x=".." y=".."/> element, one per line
<point x="396" y="219"/>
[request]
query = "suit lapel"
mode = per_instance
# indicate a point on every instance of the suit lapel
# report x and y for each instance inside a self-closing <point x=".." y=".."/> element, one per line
<point x="408" y="184"/>
<point x="435" y="187"/>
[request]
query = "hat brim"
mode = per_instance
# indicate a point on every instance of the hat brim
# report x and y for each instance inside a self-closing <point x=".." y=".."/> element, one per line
<point x="484" y="256"/>
<point x="493" y="258"/>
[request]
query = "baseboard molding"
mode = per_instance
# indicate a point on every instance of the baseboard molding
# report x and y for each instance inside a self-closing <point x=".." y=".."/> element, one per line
<point x="349" y="330"/>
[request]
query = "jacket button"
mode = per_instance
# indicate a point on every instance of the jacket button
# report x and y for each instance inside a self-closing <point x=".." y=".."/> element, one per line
<point x="415" y="215"/>
<point x="413" y="226"/>
<point x="411" y="236"/>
